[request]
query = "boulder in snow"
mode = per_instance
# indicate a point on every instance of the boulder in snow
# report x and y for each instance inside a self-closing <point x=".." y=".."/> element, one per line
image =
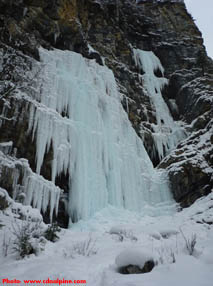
<point x="134" y="262"/>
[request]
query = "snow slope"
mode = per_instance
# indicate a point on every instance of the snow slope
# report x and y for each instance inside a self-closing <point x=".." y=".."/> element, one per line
<point x="160" y="236"/>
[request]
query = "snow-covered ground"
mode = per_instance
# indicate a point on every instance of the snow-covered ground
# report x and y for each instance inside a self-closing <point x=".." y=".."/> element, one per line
<point x="89" y="249"/>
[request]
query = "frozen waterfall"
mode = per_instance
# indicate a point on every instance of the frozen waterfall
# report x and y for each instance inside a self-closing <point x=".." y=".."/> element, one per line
<point x="167" y="133"/>
<point x="79" y="112"/>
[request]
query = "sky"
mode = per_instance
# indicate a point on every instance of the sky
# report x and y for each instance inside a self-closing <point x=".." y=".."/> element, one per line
<point x="202" y="11"/>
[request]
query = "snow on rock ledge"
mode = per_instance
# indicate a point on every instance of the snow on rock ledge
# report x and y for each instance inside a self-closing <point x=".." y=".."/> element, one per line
<point x="12" y="209"/>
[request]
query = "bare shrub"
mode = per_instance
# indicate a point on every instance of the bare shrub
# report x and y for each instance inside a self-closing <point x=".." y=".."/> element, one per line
<point x="189" y="242"/>
<point x="51" y="232"/>
<point x="166" y="254"/>
<point x="85" y="248"/>
<point x="123" y="233"/>
<point x="129" y="235"/>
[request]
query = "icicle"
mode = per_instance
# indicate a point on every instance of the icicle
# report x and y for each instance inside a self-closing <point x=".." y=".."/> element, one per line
<point x="39" y="193"/>
<point x="25" y="10"/>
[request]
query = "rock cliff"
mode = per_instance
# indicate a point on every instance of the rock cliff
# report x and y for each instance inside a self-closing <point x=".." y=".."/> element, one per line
<point x="110" y="32"/>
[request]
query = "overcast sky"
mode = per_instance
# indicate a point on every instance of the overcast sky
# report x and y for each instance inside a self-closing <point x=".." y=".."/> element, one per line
<point x="202" y="12"/>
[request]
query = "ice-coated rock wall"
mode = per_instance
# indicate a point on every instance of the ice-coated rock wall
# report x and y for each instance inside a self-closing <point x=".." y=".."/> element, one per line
<point x="79" y="112"/>
<point x="29" y="187"/>
<point x="166" y="29"/>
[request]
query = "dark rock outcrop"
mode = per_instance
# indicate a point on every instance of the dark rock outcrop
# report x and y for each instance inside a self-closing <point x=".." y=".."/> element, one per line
<point x="134" y="269"/>
<point x="190" y="166"/>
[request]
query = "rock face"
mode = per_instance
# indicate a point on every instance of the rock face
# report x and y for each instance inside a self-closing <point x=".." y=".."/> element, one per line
<point x="190" y="165"/>
<point x="107" y="31"/>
